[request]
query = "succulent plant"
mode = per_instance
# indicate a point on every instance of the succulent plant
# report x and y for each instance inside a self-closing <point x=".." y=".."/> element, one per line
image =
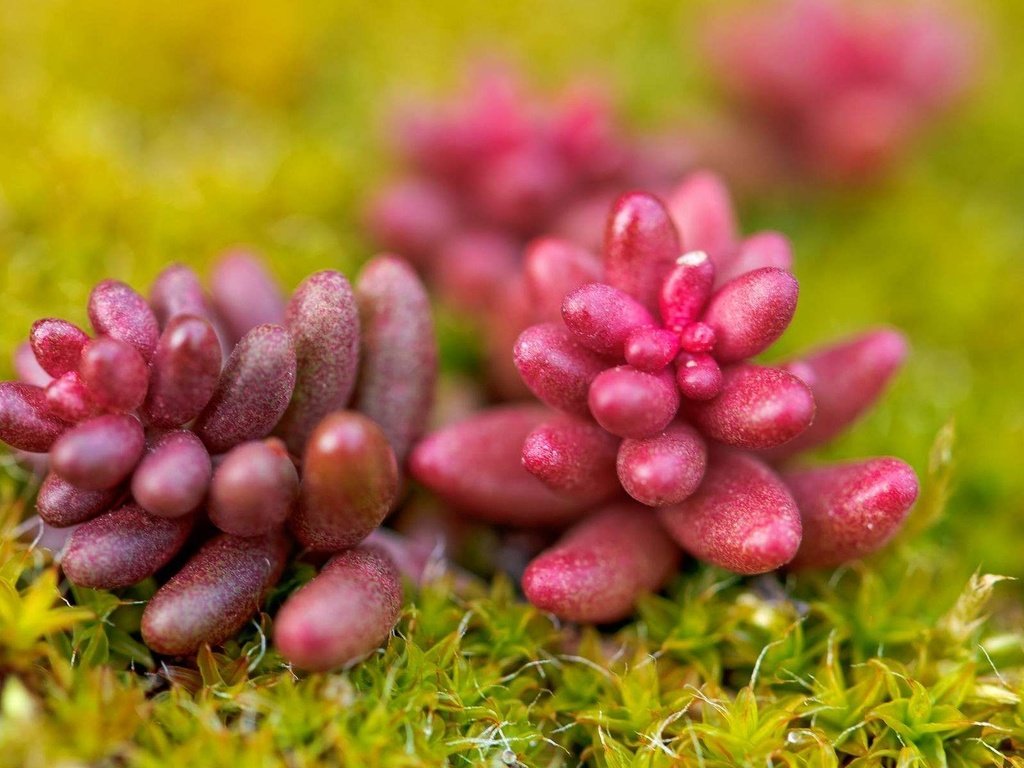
<point x="840" y="88"/>
<point x="218" y="430"/>
<point x="649" y="391"/>
<point x="215" y="427"/>
<point x="343" y="613"/>
<point x="497" y="168"/>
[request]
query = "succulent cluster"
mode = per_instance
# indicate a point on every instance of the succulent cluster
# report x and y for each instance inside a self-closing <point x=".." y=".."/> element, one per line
<point x="199" y="435"/>
<point x="839" y="88"/>
<point x="656" y="430"/>
<point x="204" y="433"/>
<point x="497" y="169"/>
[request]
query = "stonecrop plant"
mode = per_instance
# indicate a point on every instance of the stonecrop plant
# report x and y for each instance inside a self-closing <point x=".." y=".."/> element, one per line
<point x="840" y="89"/>
<point x="497" y="168"/>
<point x="656" y="430"/>
<point x="200" y="436"/>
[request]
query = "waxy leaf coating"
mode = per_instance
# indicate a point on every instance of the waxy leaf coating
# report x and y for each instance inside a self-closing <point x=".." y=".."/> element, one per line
<point x="116" y="310"/>
<point x="177" y="291"/>
<point x="749" y="313"/>
<point x="123" y="547"/>
<point x="343" y="614"/>
<point x="557" y="368"/>
<point x="632" y="403"/>
<point x="57" y="345"/>
<point x="69" y="399"/>
<point x="602" y="317"/>
<point x="757" y="408"/>
<point x="60" y="504"/>
<point x="100" y="453"/>
<point x="253" y="391"/>
<point x="476" y="466"/>
<point x="349" y="483"/>
<point x="601" y="566"/>
<point x="698" y="375"/>
<point x="850" y="510"/>
<point x="185" y="371"/>
<point x="25" y="420"/>
<point x="323" y="320"/>
<point x="398" y="369"/>
<point x="686" y="290"/>
<point x="574" y="456"/>
<point x="245" y="295"/>
<point x="664" y="469"/>
<point x="216" y="592"/>
<point x="640" y="248"/>
<point x="115" y="373"/>
<point x="254" y="490"/>
<point x="552" y="268"/>
<point x="742" y="517"/>
<point x="651" y="349"/>
<point x="847" y="378"/>
<point x="173" y="477"/>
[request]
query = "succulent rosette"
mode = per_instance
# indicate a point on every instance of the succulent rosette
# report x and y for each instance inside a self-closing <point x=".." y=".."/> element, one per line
<point x="655" y="430"/>
<point x="497" y="168"/>
<point x="204" y="434"/>
<point x="841" y="88"/>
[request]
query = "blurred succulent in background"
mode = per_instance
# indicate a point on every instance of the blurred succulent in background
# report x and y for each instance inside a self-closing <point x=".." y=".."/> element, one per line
<point x="497" y="168"/>
<point x="840" y="89"/>
<point x="648" y="393"/>
<point x="215" y="429"/>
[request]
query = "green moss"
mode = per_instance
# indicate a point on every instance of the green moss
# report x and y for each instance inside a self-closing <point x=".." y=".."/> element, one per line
<point x="881" y="661"/>
<point x="133" y="133"/>
<point x="893" y="661"/>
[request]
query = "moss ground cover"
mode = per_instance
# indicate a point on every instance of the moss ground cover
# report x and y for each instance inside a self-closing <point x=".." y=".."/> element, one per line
<point x="133" y="135"/>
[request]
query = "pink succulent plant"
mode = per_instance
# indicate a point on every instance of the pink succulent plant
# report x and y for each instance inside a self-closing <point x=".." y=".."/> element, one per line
<point x="495" y="170"/>
<point x="842" y="88"/>
<point x="650" y="393"/>
<point x="146" y="430"/>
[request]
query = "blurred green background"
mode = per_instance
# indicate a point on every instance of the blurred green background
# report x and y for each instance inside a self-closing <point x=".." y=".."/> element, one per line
<point x="136" y="133"/>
